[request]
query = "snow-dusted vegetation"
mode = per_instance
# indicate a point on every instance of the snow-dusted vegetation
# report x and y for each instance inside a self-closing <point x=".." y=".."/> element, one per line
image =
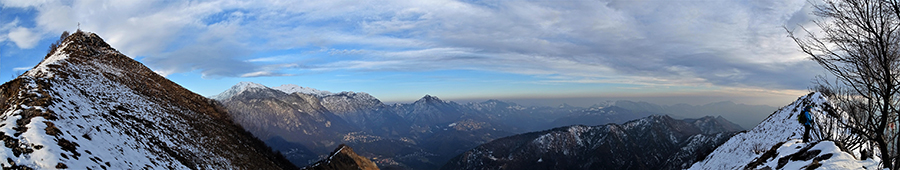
<point x="87" y="106"/>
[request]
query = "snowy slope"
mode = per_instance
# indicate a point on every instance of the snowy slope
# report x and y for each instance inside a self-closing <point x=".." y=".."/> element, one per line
<point x="781" y="126"/>
<point x="87" y="106"/>
<point x="237" y="89"/>
<point x="794" y="154"/>
<point x="291" y="88"/>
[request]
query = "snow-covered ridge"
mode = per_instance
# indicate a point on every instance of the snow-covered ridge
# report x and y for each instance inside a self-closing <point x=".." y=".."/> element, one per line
<point x="87" y="106"/>
<point x="237" y="89"/>
<point x="292" y="88"/>
<point x="780" y="126"/>
<point x="287" y="89"/>
<point x="42" y="69"/>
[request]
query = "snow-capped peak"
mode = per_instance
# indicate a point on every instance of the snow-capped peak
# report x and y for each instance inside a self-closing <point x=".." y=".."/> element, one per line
<point x="247" y="84"/>
<point x="292" y="88"/>
<point x="237" y="89"/>
<point x="79" y="43"/>
<point x="429" y="98"/>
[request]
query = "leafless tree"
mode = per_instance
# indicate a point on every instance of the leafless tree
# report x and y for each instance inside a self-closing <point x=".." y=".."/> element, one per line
<point x="860" y="46"/>
<point x="58" y="42"/>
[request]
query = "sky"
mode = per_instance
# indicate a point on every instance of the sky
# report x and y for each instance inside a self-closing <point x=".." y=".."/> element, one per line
<point x="683" y="51"/>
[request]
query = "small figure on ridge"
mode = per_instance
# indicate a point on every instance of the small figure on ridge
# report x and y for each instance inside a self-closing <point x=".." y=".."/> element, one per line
<point x="806" y="120"/>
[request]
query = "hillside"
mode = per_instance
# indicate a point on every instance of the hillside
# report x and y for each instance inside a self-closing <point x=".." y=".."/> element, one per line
<point x="778" y="137"/>
<point x="654" y="142"/>
<point x="87" y="106"/>
<point x="343" y="158"/>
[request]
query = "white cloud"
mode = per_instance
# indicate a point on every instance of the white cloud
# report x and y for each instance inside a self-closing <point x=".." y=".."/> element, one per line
<point x="23" y="3"/>
<point x="23" y="37"/>
<point x="724" y="43"/>
<point x="21" y="69"/>
<point x="268" y="59"/>
<point x="6" y="27"/>
<point x="264" y="74"/>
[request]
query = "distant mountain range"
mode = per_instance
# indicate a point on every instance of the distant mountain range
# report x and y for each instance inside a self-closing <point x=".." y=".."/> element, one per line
<point x="424" y="134"/>
<point x="303" y="125"/>
<point x="654" y="142"/>
<point x="87" y="106"/>
<point x="742" y="114"/>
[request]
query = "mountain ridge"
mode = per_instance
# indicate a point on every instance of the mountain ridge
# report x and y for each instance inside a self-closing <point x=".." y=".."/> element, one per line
<point x="87" y="106"/>
<point x="430" y="130"/>
<point x="781" y="132"/>
<point x="653" y="142"/>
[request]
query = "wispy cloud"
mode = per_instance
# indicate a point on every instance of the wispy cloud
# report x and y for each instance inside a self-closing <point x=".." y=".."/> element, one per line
<point x="23" y="37"/>
<point x="21" y="69"/>
<point x="700" y="43"/>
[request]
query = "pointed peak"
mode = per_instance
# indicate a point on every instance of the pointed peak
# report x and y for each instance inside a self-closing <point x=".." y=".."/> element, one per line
<point x="86" y="38"/>
<point x="79" y="49"/>
<point x="237" y="89"/>
<point x="660" y="117"/>
<point x="247" y="84"/>
<point x="429" y="98"/>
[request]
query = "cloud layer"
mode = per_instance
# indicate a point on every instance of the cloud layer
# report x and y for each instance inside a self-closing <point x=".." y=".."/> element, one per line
<point x="643" y="42"/>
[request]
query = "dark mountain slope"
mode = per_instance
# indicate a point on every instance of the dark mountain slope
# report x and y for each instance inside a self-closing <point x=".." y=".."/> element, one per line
<point x="295" y="118"/>
<point x="612" y="114"/>
<point x="655" y="142"/>
<point x="366" y="112"/>
<point x="343" y="158"/>
<point x="87" y="106"/>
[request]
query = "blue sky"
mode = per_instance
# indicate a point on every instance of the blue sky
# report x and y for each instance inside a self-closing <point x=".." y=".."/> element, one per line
<point x="399" y="51"/>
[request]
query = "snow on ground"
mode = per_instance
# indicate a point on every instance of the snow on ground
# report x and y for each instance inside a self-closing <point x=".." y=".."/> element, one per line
<point x="237" y="89"/>
<point x="291" y="88"/>
<point x="795" y="154"/>
<point x="82" y="122"/>
<point x="97" y="123"/>
<point x="781" y="126"/>
<point x="42" y="68"/>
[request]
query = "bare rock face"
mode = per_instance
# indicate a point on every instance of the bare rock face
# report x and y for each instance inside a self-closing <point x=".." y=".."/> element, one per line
<point x="87" y="106"/>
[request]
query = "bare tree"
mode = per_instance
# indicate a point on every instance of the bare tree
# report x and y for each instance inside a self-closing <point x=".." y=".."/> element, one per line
<point x="860" y="46"/>
<point x="58" y="42"/>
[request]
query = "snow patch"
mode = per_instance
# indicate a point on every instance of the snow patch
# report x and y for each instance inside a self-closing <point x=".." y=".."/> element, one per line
<point x="795" y="154"/>
<point x="43" y="69"/>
